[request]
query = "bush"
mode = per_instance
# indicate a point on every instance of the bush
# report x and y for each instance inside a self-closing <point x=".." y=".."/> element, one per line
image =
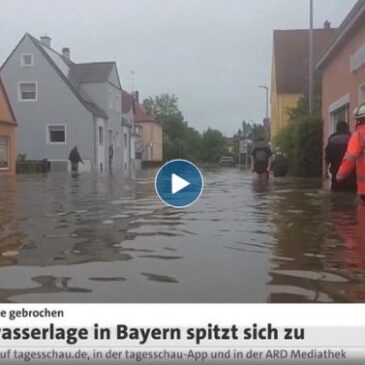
<point x="302" y="141"/>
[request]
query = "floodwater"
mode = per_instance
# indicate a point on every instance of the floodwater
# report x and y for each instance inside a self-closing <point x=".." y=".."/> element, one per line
<point x="87" y="238"/>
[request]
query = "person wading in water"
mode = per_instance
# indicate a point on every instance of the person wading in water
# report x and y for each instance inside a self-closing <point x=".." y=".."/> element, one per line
<point x="75" y="158"/>
<point x="261" y="159"/>
<point x="335" y="151"/>
<point x="280" y="163"/>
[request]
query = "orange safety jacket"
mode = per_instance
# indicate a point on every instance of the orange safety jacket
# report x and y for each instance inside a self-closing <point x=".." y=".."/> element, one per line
<point x="352" y="232"/>
<point x="355" y="155"/>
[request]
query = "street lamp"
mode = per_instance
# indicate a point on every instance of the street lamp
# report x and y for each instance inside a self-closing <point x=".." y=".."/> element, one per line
<point x="267" y="99"/>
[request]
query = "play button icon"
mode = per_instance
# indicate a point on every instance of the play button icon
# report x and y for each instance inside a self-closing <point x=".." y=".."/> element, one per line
<point x="179" y="183"/>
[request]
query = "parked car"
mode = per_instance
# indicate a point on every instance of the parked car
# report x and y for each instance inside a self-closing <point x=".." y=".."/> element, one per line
<point x="226" y="161"/>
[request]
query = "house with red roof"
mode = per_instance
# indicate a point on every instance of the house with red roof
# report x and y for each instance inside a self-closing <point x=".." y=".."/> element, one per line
<point x="290" y="69"/>
<point x="151" y="132"/>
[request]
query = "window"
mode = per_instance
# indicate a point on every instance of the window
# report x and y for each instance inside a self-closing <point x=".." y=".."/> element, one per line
<point x="339" y="115"/>
<point x="361" y="94"/>
<point x="138" y="130"/>
<point x="110" y="136"/>
<point x="111" y="99"/>
<point x="101" y="136"/>
<point x="125" y="141"/>
<point x="26" y="60"/>
<point x="4" y="153"/>
<point x="27" y="91"/>
<point x="57" y="134"/>
<point x="117" y="103"/>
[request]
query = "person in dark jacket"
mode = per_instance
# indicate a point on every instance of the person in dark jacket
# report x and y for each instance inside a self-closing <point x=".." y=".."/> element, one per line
<point x="280" y="163"/>
<point x="261" y="159"/>
<point x="75" y="158"/>
<point x="111" y="154"/>
<point x="334" y="153"/>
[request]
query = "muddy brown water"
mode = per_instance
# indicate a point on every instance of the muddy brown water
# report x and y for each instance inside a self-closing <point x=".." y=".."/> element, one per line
<point x="87" y="238"/>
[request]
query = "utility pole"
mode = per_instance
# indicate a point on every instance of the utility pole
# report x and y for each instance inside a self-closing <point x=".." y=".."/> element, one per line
<point x="267" y="99"/>
<point x="311" y="58"/>
<point x="239" y="154"/>
<point x="133" y="80"/>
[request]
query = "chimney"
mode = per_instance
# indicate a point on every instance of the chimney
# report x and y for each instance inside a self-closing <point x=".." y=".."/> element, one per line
<point x="46" y="41"/>
<point x="66" y="53"/>
<point x="327" y="25"/>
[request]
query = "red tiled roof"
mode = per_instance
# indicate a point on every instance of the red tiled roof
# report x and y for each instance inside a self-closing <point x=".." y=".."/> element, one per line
<point x="127" y="102"/>
<point x="291" y="52"/>
<point x="140" y="114"/>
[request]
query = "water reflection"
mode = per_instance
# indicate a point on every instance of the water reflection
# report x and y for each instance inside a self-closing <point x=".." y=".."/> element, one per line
<point x="108" y="239"/>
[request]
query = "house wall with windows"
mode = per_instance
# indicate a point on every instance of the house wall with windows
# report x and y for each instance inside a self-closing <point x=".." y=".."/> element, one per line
<point x="129" y="135"/>
<point x="7" y="149"/>
<point x="343" y="86"/>
<point x="151" y="132"/>
<point x="108" y="96"/>
<point x="7" y="135"/>
<point x="51" y="120"/>
<point x="152" y="141"/>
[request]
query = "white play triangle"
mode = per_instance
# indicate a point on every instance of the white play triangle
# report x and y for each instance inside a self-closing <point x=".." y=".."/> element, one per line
<point x="178" y="183"/>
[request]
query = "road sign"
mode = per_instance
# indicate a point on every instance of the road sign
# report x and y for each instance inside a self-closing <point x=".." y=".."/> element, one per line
<point x="243" y="147"/>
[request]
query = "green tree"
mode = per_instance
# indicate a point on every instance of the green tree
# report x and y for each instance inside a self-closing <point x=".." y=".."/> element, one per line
<point x="302" y="138"/>
<point x="165" y="109"/>
<point x="213" y="145"/>
<point x="246" y="131"/>
<point x="181" y="140"/>
<point x="258" y="131"/>
<point x="253" y="131"/>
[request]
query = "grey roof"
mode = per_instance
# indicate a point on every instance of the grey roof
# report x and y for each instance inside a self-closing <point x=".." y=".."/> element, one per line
<point x="72" y="83"/>
<point x="91" y="72"/>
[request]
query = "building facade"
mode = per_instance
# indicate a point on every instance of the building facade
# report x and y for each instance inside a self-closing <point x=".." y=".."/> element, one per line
<point x="151" y="132"/>
<point x="289" y="74"/>
<point x="343" y="70"/>
<point x="129" y="154"/>
<point x="60" y="104"/>
<point x="7" y="135"/>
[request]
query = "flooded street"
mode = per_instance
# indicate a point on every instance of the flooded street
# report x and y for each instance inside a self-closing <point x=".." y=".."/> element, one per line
<point x="109" y="239"/>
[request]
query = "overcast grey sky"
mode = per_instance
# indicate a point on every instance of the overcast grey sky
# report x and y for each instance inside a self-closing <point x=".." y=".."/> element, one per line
<point x="212" y="54"/>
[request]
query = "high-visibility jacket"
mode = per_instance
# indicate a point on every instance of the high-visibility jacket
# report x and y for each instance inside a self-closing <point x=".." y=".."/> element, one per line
<point x="355" y="156"/>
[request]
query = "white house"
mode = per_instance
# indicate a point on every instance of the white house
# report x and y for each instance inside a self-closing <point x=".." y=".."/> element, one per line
<point x="60" y="104"/>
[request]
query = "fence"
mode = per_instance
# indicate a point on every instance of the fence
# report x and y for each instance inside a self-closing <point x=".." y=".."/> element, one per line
<point x="32" y="167"/>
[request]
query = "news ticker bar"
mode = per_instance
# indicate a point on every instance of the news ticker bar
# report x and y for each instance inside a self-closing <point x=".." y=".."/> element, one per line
<point x="188" y="355"/>
<point x="182" y="333"/>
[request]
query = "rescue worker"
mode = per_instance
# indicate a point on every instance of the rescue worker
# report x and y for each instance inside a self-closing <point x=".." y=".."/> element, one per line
<point x="334" y="153"/>
<point x="355" y="154"/>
